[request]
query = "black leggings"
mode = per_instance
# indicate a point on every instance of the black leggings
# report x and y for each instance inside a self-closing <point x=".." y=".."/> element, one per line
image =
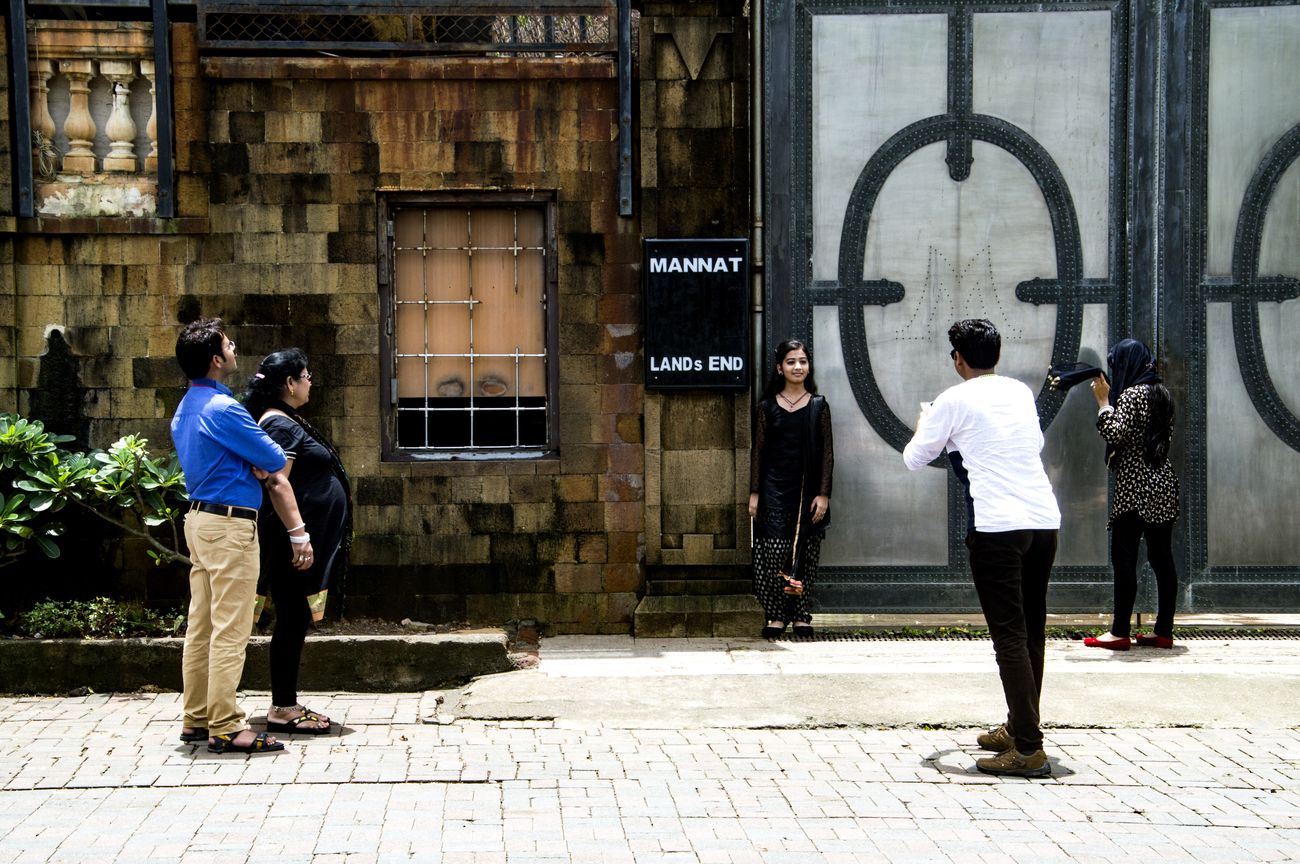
<point x="771" y="555"/>
<point x="292" y="618"/>
<point x="1125" y="532"/>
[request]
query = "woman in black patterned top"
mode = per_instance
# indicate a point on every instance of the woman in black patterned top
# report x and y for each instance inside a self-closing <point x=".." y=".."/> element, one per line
<point x="791" y="461"/>
<point x="1136" y="419"/>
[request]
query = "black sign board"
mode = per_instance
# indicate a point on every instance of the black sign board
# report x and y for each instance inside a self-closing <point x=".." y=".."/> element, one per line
<point x="697" y="314"/>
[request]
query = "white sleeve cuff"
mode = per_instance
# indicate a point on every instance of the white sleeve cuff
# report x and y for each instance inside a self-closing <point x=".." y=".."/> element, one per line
<point x="1105" y="409"/>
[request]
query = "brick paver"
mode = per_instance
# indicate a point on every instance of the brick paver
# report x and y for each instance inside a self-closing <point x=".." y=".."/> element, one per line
<point x="103" y="779"/>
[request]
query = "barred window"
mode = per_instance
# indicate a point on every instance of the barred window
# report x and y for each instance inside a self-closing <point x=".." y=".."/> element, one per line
<point x="470" y="330"/>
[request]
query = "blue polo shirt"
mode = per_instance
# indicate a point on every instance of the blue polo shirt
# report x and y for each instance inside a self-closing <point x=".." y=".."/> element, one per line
<point x="216" y="441"/>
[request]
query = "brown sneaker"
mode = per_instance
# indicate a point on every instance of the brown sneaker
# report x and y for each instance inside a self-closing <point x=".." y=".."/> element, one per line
<point x="997" y="739"/>
<point x="1011" y="763"/>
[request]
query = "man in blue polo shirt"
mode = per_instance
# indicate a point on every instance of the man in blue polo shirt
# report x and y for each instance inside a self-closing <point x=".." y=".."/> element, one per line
<point x="223" y="453"/>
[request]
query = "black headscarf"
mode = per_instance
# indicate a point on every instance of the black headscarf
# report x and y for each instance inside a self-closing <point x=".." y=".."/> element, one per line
<point x="1130" y="363"/>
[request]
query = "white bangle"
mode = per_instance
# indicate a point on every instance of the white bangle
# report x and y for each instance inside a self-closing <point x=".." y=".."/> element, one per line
<point x="296" y="527"/>
<point x="300" y="540"/>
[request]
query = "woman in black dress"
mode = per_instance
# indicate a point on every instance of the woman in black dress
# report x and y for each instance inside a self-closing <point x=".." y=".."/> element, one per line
<point x="1136" y="419"/>
<point x="791" y="463"/>
<point x="297" y="573"/>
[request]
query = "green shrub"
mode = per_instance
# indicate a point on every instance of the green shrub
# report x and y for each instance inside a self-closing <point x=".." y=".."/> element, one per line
<point x="123" y="485"/>
<point x="101" y="618"/>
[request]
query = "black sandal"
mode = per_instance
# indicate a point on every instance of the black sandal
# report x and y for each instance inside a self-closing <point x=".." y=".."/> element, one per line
<point x="290" y="727"/>
<point x="260" y="744"/>
<point x="770" y="632"/>
<point x="803" y="631"/>
<point x="198" y="734"/>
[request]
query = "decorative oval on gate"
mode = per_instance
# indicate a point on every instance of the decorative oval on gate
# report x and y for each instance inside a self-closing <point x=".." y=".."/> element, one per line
<point x="855" y="291"/>
<point x="1248" y="289"/>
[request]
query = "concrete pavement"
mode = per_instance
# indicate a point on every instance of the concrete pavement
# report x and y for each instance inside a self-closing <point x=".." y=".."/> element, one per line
<point x="691" y="751"/>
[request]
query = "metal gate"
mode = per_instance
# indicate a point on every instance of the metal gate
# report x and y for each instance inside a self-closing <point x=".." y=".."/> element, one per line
<point x="1061" y="168"/>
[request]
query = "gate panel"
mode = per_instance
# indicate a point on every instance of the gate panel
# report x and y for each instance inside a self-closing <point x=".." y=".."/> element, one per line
<point x="949" y="161"/>
<point x="1243" y="540"/>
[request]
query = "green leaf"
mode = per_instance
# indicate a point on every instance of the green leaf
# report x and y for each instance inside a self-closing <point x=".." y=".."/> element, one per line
<point x="48" y="546"/>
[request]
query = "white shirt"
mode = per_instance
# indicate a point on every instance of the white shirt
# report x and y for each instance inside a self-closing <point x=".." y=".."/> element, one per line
<point x="993" y="422"/>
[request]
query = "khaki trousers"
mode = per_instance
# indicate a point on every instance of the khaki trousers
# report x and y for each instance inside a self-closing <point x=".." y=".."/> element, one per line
<point x="223" y="584"/>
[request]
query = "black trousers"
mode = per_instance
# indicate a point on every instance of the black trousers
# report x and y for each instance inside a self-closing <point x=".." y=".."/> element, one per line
<point x="1125" y="532"/>
<point x="292" y="619"/>
<point x="770" y="555"/>
<point x="1011" y="570"/>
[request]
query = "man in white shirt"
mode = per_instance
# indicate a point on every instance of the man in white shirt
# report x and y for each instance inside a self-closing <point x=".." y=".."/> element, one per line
<point x="988" y="424"/>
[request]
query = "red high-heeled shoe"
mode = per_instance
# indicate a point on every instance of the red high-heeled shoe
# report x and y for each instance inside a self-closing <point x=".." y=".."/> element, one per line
<point x="1121" y="644"/>
<point x="1153" y="641"/>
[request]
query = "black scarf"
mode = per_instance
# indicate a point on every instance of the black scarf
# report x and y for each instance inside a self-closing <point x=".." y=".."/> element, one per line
<point x="1069" y="374"/>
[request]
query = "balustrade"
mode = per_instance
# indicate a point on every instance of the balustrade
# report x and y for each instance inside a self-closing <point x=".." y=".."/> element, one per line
<point x="102" y="65"/>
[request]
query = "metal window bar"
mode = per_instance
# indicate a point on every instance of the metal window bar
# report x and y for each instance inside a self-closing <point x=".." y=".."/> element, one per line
<point x="471" y="302"/>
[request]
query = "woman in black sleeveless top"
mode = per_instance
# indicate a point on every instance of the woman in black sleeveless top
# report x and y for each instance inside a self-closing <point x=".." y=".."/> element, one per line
<point x="791" y="463"/>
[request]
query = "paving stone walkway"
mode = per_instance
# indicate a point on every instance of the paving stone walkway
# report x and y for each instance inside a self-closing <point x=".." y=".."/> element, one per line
<point x="103" y="779"/>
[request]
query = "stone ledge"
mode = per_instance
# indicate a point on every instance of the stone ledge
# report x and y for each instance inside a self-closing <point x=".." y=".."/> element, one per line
<point x="366" y="664"/>
<point x="411" y="68"/>
<point x="106" y="225"/>
<point x="677" y="615"/>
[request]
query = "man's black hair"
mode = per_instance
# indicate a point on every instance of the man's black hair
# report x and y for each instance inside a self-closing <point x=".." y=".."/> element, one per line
<point x="978" y="342"/>
<point x="198" y="343"/>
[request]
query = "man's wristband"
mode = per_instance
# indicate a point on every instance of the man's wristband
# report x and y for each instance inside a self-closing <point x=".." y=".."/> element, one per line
<point x="299" y="540"/>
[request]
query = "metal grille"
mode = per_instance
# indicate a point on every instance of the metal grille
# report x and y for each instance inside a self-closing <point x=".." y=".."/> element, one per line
<point x="244" y="29"/>
<point x="499" y="404"/>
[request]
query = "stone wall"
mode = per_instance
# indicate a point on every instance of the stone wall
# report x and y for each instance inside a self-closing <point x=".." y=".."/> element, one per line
<point x="280" y="162"/>
<point x="694" y="100"/>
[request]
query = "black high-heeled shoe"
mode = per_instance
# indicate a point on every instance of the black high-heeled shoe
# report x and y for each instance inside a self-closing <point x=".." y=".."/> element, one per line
<point x="770" y="632"/>
<point x="803" y="631"/>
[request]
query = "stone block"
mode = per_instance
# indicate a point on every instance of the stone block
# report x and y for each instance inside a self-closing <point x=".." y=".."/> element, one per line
<point x="624" y="516"/>
<point x="293" y="126"/>
<point x="247" y="127"/>
<point x="578" y="578"/>
<point x="698" y="421"/>
<point x="581" y="516"/>
<point x="623" y="578"/>
<point x="535" y="517"/>
<point x="698" y="476"/>
<point x="584" y="459"/>
<point x="591" y="548"/>
<point x="622" y="487"/>
<point x="625" y="547"/>
<point x="576" y="487"/>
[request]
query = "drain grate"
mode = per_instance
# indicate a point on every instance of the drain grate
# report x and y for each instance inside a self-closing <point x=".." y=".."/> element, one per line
<point x="1055" y="634"/>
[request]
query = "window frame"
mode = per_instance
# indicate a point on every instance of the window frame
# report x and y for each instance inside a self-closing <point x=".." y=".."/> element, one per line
<point x="387" y="202"/>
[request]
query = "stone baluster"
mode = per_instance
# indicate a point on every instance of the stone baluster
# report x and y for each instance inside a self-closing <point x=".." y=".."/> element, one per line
<point x="120" y="128"/>
<point x="79" y="125"/>
<point x="151" y="161"/>
<point x="47" y="157"/>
